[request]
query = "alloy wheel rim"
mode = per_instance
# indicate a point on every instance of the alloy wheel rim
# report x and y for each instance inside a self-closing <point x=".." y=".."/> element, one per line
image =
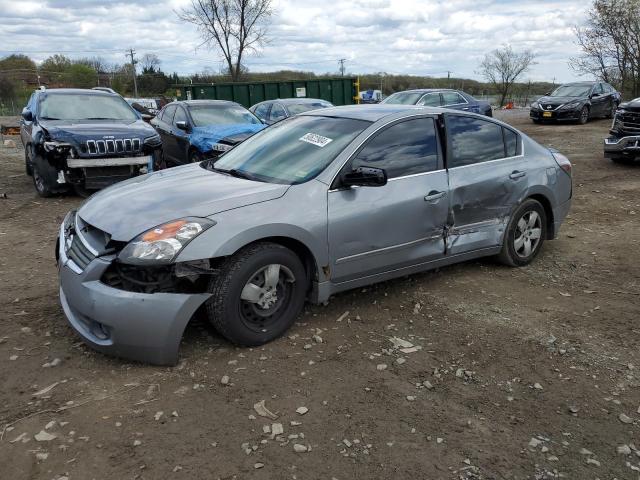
<point x="585" y="114"/>
<point x="528" y="234"/>
<point x="37" y="179"/>
<point x="265" y="295"/>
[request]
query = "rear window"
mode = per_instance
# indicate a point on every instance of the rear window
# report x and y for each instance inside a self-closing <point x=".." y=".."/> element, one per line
<point x="203" y="115"/>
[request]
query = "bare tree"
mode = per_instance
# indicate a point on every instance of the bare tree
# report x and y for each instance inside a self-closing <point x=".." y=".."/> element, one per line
<point x="150" y="63"/>
<point x="610" y="44"/>
<point x="234" y="27"/>
<point x="502" y="67"/>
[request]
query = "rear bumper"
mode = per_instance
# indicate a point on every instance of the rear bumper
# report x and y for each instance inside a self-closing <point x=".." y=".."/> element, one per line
<point x="622" y="146"/>
<point x="136" y="326"/>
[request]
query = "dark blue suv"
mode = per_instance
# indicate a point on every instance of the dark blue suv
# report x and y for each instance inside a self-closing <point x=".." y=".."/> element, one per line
<point x="85" y="140"/>
<point x="432" y="97"/>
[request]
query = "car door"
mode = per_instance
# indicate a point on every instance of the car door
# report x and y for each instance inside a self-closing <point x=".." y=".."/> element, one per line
<point x="27" y="125"/>
<point x="432" y="99"/>
<point x="180" y="138"/>
<point x="599" y="101"/>
<point x="455" y="101"/>
<point x="163" y="127"/>
<point x="377" y="229"/>
<point x="487" y="179"/>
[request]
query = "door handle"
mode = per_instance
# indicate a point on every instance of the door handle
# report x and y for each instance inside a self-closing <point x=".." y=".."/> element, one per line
<point x="516" y="175"/>
<point x="434" y="195"/>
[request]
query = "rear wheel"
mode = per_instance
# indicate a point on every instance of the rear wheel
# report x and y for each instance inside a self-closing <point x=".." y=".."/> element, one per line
<point x="584" y="115"/>
<point x="525" y="234"/>
<point x="258" y="294"/>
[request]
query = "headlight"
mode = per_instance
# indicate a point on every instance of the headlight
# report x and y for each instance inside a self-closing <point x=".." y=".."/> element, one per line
<point x="161" y="244"/>
<point x="153" y="140"/>
<point x="570" y="105"/>
<point x="535" y="105"/>
<point x="50" y="146"/>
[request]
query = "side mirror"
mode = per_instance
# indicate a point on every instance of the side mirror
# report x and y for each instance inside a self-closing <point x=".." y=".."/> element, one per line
<point x="182" y="126"/>
<point x="365" y="177"/>
<point x="547" y="94"/>
<point x="27" y="115"/>
<point x="594" y="94"/>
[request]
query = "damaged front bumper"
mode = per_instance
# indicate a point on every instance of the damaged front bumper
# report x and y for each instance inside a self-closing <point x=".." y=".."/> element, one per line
<point x="146" y="327"/>
<point x="618" y="147"/>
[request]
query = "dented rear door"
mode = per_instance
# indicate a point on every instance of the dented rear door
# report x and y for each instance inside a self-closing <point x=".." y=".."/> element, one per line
<point x="487" y="179"/>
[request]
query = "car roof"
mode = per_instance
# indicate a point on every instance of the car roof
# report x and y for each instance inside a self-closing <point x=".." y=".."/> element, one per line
<point x="371" y="112"/>
<point x="83" y="91"/>
<point x="194" y="103"/>
<point x="426" y="90"/>
<point x="297" y="100"/>
<point x="580" y="83"/>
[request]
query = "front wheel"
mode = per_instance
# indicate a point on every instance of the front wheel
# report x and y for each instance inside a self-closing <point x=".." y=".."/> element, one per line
<point x="44" y="177"/>
<point x="584" y="115"/>
<point x="525" y="234"/>
<point x="258" y="294"/>
<point x="612" y="110"/>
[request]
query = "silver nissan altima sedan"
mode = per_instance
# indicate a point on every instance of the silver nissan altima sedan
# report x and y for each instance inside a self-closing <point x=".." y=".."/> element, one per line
<point x="319" y="203"/>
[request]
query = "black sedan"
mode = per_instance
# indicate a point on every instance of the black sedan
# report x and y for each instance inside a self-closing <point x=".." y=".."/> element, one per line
<point x="577" y="102"/>
<point x="196" y="130"/>
<point x="272" y="111"/>
<point x="431" y="97"/>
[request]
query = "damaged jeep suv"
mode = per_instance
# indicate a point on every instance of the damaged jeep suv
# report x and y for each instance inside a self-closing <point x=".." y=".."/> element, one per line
<point x="623" y="144"/>
<point x="85" y="140"/>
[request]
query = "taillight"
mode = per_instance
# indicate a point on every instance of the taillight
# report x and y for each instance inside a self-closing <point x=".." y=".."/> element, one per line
<point x="562" y="161"/>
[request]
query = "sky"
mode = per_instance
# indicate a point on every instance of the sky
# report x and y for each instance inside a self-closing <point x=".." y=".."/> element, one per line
<point x="415" y="37"/>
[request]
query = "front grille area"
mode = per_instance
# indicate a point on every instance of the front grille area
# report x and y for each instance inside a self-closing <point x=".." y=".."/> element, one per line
<point x="119" y="146"/>
<point x="630" y="122"/>
<point x="79" y="253"/>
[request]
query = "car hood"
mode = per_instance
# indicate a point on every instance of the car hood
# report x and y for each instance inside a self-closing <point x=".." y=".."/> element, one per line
<point x="129" y="208"/>
<point x="556" y="101"/>
<point x="203" y="137"/>
<point x="631" y="105"/>
<point x="95" y="129"/>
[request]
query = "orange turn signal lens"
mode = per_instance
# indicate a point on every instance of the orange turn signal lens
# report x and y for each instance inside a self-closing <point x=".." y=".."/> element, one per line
<point x="168" y="230"/>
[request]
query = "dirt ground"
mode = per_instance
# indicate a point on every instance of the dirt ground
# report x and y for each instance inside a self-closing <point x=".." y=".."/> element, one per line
<point x="528" y="373"/>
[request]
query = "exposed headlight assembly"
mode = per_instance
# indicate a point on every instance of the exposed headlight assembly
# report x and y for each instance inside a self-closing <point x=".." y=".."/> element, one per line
<point x="161" y="244"/>
<point x="59" y="147"/>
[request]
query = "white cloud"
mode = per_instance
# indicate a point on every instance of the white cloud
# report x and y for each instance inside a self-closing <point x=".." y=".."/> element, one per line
<point x="396" y="36"/>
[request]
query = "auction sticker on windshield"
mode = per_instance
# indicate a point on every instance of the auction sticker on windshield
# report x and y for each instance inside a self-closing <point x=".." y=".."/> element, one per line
<point x="315" y="139"/>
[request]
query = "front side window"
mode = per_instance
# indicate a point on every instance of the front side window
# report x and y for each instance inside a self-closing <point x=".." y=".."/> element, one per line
<point x="452" y="98"/>
<point x="430" y="100"/>
<point x="403" y="98"/>
<point x="473" y="140"/>
<point x="180" y="116"/>
<point x="292" y="151"/>
<point x="204" y="115"/>
<point x="261" y="111"/>
<point x="278" y="112"/>
<point x="168" y="114"/>
<point x="81" y="106"/>
<point x="405" y="148"/>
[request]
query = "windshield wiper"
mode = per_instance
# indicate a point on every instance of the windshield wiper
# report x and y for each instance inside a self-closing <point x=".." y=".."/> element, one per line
<point x="49" y="118"/>
<point x="236" y="173"/>
<point x="100" y="118"/>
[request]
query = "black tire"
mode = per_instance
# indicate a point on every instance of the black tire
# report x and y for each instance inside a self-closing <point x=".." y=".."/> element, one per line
<point x="584" y="115"/>
<point x="510" y="254"/>
<point x="246" y="323"/>
<point x="82" y="191"/>
<point x="45" y="177"/>
<point x="28" y="164"/>
<point x="536" y="121"/>
<point x="623" y="160"/>
<point x="195" y="156"/>
<point x="159" y="162"/>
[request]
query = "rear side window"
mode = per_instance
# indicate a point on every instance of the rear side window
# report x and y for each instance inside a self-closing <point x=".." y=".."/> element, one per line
<point x="181" y="116"/>
<point x="405" y="148"/>
<point x="278" y="112"/>
<point x="261" y="111"/>
<point x="473" y="140"/>
<point x="430" y="100"/>
<point x="452" y="98"/>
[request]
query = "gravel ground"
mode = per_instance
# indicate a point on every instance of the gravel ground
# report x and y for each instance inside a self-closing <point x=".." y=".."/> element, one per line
<point x="527" y="373"/>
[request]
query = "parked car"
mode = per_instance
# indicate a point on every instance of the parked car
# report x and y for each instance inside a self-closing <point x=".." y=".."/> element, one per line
<point x="272" y="111"/>
<point x="195" y="130"/>
<point x="322" y="202"/>
<point x="85" y="139"/>
<point x="579" y="101"/>
<point x="432" y="97"/>
<point x="623" y="144"/>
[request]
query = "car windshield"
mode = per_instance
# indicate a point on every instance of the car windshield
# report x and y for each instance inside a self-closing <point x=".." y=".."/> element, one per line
<point x="296" y="108"/>
<point x="204" y="115"/>
<point x="571" y="91"/>
<point x="403" y="98"/>
<point x="79" y="106"/>
<point x="292" y="151"/>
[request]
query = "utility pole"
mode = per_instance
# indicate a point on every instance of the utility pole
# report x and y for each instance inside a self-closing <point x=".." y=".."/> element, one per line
<point x="449" y="78"/>
<point x="341" y="62"/>
<point x="131" y="54"/>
